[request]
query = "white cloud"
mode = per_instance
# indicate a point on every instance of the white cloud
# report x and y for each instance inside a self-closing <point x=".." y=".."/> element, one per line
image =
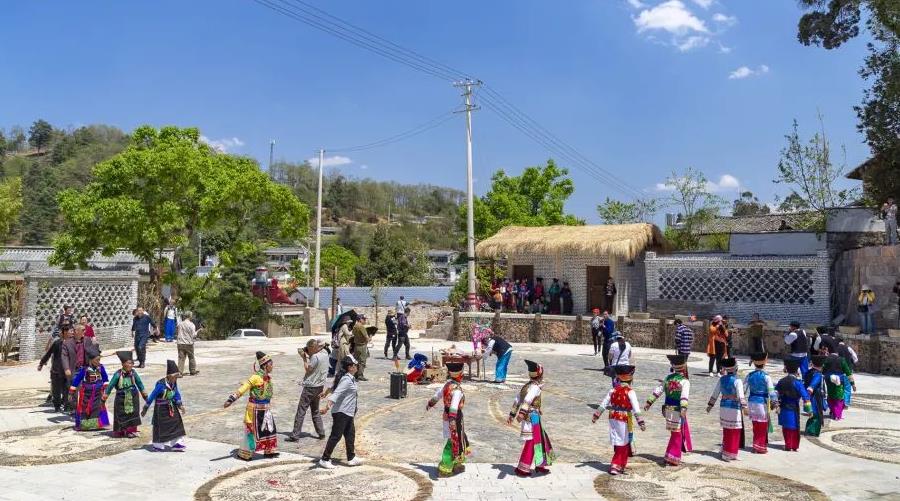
<point x="363" y="166"/>
<point x="671" y="16"/>
<point x="334" y="161"/>
<point x="692" y="42"/>
<point x="223" y="145"/>
<point x="636" y="4"/>
<point x="724" y="19"/>
<point x="704" y="3"/>
<point x="746" y="72"/>
<point x="726" y="182"/>
<point x="724" y="50"/>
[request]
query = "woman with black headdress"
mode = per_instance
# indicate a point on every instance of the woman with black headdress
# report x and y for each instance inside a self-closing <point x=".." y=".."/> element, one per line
<point x="259" y="422"/>
<point x="168" y="428"/>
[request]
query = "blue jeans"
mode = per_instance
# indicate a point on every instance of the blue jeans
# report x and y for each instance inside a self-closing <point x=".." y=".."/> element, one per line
<point x="502" y="365"/>
<point x="867" y="324"/>
<point x="170" y="329"/>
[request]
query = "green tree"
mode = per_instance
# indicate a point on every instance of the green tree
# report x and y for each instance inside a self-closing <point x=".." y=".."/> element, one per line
<point x="393" y="259"/>
<point x="40" y="134"/>
<point x="10" y="206"/>
<point x="460" y="290"/>
<point x="16" y="138"/>
<point x="40" y="215"/>
<point x="812" y="176"/>
<point x="333" y="257"/>
<point x="537" y="197"/>
<point x="690" y="194"/>
<point x="617" y="212"/>
<point x="3" y="146"/>
<point x="830" y="24"/>
<point x="748" y="205"/>
<point x="161" y="190"/>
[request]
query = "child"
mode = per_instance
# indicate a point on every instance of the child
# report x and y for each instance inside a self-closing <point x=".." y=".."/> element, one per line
<point x="730" y="409"/>
<point x="88" y="387"/>
<point x="760" y="397"/>
<point x="790" y="391"/>
<point x="127" y="383"/>
<point x="815" y="386"/>
<point x="835" y="371"/>
<point x="168" y="428"/>
<point x="624" y="409"/>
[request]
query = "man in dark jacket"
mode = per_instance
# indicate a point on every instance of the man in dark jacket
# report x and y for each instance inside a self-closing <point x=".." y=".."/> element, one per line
<point x="390" y="323"/>
<point x="142" y="327"/>
<point x="402" y="333"/>
<point x="59" y="388"/>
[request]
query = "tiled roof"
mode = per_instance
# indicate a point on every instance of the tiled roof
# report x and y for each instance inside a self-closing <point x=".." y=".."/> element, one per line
<point x="20" y="259"/>
<point x="362" y="296"/>
<point x="751" y="224"/>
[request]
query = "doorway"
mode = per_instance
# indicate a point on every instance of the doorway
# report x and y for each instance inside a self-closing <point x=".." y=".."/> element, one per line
<point x="597" y="277"/>
<point x="526" y="271"/>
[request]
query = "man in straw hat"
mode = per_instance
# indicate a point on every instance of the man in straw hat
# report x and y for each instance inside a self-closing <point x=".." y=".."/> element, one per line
<point x="624" y="408"/>
<point x="453" y="399"/>
<point x="761" y="397"/>
<point x="676" y="387"/>
<point x="126" y="407"/>
<point x="315" y="366"/>
<point x="733" y="404"/>
<point x="537" y="452"/>
<point x="259" y="422"/>
<point x="168" y="428"/>
<point x="790" y="391"/>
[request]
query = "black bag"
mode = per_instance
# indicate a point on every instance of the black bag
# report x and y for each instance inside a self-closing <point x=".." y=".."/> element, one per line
<point x="610" y="370"/>
<point x="862" y="308"/>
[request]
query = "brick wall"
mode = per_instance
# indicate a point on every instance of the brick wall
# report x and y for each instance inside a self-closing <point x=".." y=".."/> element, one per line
<point x="780" y="288"/>
<point x="106" y="297"/>
<point x="879" y="268"/>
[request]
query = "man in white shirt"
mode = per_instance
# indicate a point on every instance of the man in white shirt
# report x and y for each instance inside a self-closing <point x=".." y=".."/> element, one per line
<point x="619" y="350"/>
<point x="798" y="344"/>
<point x="187" y="333"/>
<point x="315" y="365"/>
<point x="401" y="305"/>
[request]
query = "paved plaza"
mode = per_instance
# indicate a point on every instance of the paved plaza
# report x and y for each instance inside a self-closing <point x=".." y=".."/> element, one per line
<point x="41" y="457"/>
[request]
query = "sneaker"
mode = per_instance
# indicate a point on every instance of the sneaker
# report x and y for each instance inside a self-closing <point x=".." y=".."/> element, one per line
<point x="179" y="448"/>
<point x="712" y="374"/>
<point x="326" y="464"/>
<point x="355" y="462"/>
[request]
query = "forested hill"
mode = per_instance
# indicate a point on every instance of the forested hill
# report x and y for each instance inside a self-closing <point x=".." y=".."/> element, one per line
<point x="47" y="160"/>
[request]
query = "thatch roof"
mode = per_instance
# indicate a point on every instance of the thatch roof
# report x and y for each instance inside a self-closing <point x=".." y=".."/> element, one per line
<point x="620" y="240"/>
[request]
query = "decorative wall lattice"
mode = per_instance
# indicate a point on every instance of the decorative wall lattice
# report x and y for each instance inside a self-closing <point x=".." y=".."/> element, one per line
<point x="752" y="285"/>
<point x="105" y="303"/>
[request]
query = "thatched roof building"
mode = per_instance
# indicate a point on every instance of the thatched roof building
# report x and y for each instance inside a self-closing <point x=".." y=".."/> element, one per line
<point x="584" y="256"/>
<point x="624" y="241"/>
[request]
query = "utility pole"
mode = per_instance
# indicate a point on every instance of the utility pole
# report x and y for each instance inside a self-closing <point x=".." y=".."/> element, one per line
<point x="470" y="203"/>
<point x="271" y="157"/>
<point x="318" y="233"/>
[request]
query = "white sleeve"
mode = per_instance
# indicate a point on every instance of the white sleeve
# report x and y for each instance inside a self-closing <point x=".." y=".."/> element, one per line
<point x="685" y="389"/>
<point x="437" y="394"/>
<point x="739" y="389"/>
<point x="635" y="405"/>
<point x="606" y="400"/>
<point x="342" y="387"/>
<point x="716" y="391"/>
<point x="790" y="337"/>
<point x="853" y="354"/>
<point x="455" y="399"/>
<point x="533" y="393"/>
<point x="490" y="346"/>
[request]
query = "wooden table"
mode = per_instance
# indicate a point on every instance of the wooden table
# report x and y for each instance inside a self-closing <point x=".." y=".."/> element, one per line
<point x="464" y="358"/>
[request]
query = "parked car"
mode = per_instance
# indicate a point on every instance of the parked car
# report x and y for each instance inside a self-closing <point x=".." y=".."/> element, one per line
<point x="246" y="333"/>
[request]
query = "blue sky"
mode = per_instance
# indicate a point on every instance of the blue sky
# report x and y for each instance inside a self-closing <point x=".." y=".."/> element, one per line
<point x="641" y="88"/>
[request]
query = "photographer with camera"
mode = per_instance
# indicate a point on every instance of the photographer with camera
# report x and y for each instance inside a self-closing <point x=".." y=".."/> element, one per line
<point x="315" y="365"/>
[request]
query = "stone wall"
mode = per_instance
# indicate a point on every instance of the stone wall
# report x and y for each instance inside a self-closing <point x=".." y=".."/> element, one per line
<point x="782" y="288"/>
<point x="106" y="297"/>
<point x="879" y="268"/>
<point x="421" y="316"/>
<point x="877" y="354"/>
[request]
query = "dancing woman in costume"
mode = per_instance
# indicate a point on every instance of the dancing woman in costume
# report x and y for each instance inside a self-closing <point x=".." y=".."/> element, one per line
<point x="259" y="422"/>
<point x="761" y="398"/>
<point x="88" y="387"/>
<point x="624" y="408"/>
<point x="453" y="399"/>
<point x="168" y="428"/>
<point x="537" y="452"/>
<point x="126" y="407"/>
<point x="730" y="409"/>
<point x="676" y="387"/>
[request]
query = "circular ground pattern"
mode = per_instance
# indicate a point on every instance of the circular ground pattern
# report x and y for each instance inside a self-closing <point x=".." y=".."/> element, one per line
<point x="866" y="443"/>
<point x="702" y="483"/>
<point x="59" y="444"/>
<point x="880" y="403"/>
<point x="289" y="480"/>
<point x="22" y="398"/>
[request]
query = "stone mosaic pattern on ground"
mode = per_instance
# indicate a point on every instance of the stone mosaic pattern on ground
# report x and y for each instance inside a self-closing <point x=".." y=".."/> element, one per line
<point x="867" y="443"/>
<point x="285" y="479"/>
<point x="702" y="483"/>
<point x="58" y="444"/>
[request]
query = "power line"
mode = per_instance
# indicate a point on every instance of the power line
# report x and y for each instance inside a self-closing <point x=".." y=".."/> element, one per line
<point x="415" y="131"/>
<point x="317" y="18"/>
